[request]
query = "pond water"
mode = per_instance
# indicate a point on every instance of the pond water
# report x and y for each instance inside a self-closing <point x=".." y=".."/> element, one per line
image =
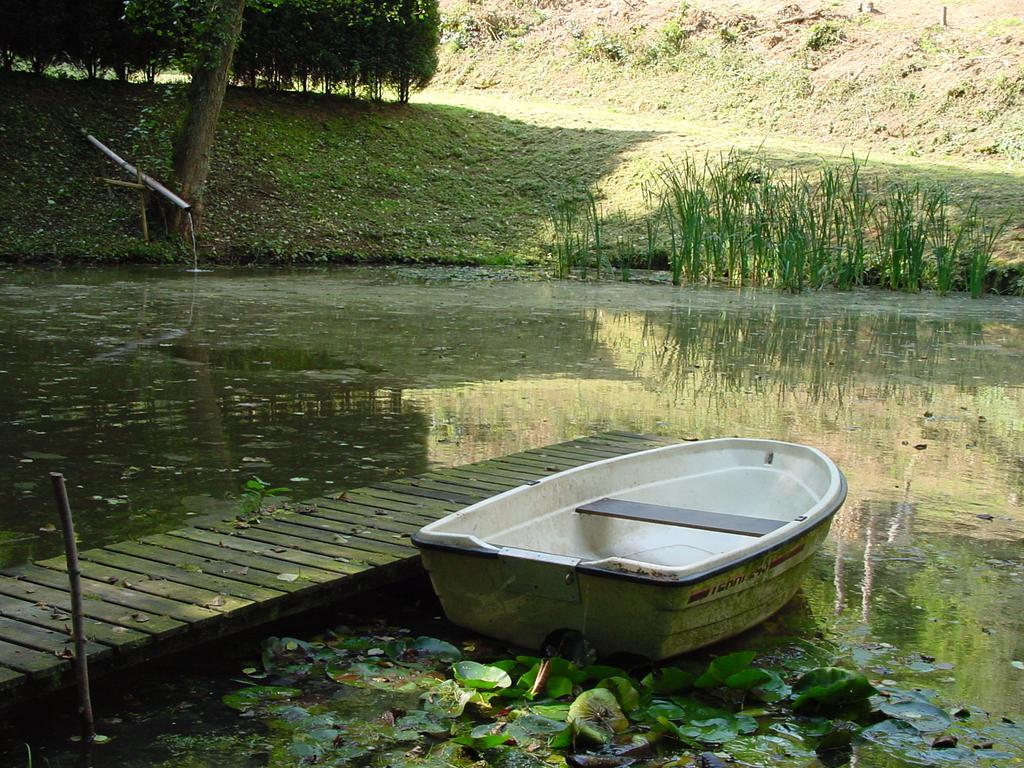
<point x="160" y="393"/>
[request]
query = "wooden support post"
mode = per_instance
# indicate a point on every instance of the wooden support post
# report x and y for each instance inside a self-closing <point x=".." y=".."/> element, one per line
<point x="142" y="205"/>
<point x="77" y="609"/>
<point x="942" y="16"/>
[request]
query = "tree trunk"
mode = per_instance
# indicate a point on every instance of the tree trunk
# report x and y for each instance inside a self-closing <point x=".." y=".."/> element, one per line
<point x="194" y="142"/>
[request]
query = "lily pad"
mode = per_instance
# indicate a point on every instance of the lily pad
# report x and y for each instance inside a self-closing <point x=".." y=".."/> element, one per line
<point x="667" y="681"/>
<point x="924" y="716"/>
<point x="721" y="669"/>
<point x="623" y="690"/>
<point x="595" y="716"/>
<point x="412" y="649"/>
<point x="481" y="676"/>
<point x="830" y="689"/>
<point x="259" y="694"/>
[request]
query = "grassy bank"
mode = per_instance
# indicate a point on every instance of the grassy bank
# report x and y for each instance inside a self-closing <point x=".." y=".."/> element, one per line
<point x="456" y="178"/>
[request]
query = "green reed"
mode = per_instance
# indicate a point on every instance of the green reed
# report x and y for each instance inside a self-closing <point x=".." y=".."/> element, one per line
<point x="945" y="239"/>
<point x="687" y="207"/>
<point x="981" y="238"/>
<point x="902" y="236"/>
<point x="566" y="244"/>
<point x="654" y="205"/>
<point x="852" y="220"/>
<point x="595" y="221"/>
<point x="733" y="218"/>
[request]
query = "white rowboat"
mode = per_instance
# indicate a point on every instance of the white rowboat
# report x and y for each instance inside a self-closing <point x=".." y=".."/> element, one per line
<point x="653" y="553"/>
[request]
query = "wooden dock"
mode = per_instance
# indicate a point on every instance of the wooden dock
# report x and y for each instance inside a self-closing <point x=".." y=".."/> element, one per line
<point x="175" y="590"/>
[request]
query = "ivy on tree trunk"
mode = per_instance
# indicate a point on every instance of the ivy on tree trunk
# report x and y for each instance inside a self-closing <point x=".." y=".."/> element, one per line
<point x="216" y="40"/>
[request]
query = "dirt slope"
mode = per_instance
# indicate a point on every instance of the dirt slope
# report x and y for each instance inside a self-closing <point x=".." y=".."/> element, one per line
<point x="887" y="75"/>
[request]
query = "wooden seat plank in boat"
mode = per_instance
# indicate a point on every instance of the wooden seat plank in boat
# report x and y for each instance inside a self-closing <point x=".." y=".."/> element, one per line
<point x="720" y="522"/>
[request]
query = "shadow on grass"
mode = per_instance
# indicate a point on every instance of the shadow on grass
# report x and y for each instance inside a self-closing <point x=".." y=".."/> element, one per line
<point x="319" y="178"/>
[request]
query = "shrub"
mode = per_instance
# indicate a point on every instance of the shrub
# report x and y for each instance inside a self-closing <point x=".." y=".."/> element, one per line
<point x="824" y="35"/>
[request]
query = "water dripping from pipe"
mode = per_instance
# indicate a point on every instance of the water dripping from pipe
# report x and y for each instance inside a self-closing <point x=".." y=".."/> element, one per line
<point x="195" y="250"/>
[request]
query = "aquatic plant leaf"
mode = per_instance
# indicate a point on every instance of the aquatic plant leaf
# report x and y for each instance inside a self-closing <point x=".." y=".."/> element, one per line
<point x="422" y="722"/>
<point x="901" y="738"/>
<point x="412" y="649"/>
<point x="448" y="699"/>
<point x="558" y="686"/>
<point x="924" y="716"/>
<point x="716" y="730"/>
<point x="601" y="671"/>
<point x="530" y="727"/>
<point x="693" y="709"/>
<point x="552" y="711"/>
<point x="830" y="689"/>
<point x="773" y="689"/>
<point x="557" y="668"/>
<point x="667" y="680"/>
<point x="660" y="709"/>
<point x="481" y="676"/>
<point x="561" y="740"/>
<point x="486" y="736"/>
<point x="812" y="727"/>
<point x="840" y="736"/>
<point x="624" y="691"/>
<point x="292" y="713"/>
<point x="564" y="668"/>
<point x="769" y="750"/>
<point x="259" y="694"/>
<point x="595" y="716"/>
<point x="722" y="668"/>
<point x="305" y="747"/>
<point x="747" y="679"/>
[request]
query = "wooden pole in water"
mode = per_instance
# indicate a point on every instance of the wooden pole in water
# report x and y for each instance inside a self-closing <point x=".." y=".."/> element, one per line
<point x="77" y="609"/>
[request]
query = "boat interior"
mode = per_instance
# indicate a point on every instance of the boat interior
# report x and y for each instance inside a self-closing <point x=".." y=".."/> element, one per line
<point x="724" y="510"/>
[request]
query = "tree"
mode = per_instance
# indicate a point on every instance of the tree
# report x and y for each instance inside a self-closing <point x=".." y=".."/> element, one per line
<point x="416" y="38"/>
<point x="205" y="33"/>
<point x="216" y="37"/>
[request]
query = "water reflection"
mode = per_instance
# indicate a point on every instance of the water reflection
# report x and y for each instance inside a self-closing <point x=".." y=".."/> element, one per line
<point x="159" y="394"/>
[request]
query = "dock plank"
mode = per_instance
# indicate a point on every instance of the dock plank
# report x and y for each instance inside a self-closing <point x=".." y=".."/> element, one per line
<point x="141" y="582"/>
<point x="127" y="597"/>
<point x="46" y="640"/>
<point x="306" y="574"/>
<point x="10" y="678"/>
<point x="296" y="556"/>
<point x="332" y="551"/>
<point x="30" y="661"/>
<point x="200" y="565"/>
<point x="412" y="489"/>
<point x="118" y="615"/>
<point x="383" y="503"/>
<point x="58" y="620"/>
<point x="345" y="512"/>
<point x="215" y="584"/>
<point x="381" y="540"/>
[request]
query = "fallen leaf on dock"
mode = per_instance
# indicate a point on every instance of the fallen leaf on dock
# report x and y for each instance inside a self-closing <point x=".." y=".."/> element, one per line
<point x="287" y="576"/>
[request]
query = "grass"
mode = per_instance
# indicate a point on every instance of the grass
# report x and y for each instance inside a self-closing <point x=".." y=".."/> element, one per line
<point x="458" y="178"/>
<point x="843" y="77"/>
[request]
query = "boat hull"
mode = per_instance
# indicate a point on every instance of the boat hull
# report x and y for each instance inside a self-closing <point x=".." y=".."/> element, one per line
<point x="618" y="614"/>
<point x="654" y="553"/>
